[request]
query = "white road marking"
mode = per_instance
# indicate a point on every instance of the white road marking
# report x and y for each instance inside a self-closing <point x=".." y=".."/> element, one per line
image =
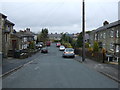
<point x="36" y="68"/>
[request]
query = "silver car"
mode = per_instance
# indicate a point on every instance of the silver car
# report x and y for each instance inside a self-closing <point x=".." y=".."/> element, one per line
<point x="69" y="52"/>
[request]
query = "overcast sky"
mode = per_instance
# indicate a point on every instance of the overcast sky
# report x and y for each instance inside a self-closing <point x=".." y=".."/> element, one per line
<point x="58" y="15"/>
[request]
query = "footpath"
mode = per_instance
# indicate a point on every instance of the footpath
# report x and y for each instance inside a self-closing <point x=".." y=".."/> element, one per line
<point x="11" y="64"/>
<point x="109" y="70"/>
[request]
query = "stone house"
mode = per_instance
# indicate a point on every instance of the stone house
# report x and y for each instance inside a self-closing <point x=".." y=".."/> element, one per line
<point x="54" y="36"/>
<point x="108" y="37"/>
<point x="7" y="30"/>
<point x="21" y="40"/>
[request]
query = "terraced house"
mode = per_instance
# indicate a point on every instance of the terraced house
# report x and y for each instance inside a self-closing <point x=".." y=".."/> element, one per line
<point x="7" y="30"/>
<point x="108" y="37"/>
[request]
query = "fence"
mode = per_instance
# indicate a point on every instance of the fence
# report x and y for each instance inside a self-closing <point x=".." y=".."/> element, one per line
<point x="97" y="56"/>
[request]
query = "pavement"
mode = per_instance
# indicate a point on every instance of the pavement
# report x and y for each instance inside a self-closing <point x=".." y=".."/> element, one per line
<point x="10" y="64"/>
<point x="110" y="70"/>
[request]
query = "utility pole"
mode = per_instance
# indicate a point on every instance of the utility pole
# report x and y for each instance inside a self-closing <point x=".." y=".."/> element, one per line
<point x="83" y="30"/>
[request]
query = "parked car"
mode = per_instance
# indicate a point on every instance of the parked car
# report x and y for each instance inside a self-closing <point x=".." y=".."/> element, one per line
<point x="39" y="46"/>
<point x="48" y="43"/>
<point x="58" y="44"/>
<point x="62" y="48"/>
<point x="69" y="52"/>
<point x="44" y="50"/>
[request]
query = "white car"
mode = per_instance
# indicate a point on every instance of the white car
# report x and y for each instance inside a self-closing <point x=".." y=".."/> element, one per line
<point x="62" y="48"/>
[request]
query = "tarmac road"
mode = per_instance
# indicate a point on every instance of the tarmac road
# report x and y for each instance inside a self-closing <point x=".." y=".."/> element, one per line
<point x="52" y="71"/>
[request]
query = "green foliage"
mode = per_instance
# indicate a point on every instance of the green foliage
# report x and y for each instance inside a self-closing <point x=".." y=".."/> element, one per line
<point x="96" y="47"/>
<point x="73" y="43"/>
<point x="56" y="40"/>
<point x="67" y="41"/>
<point x="32" y="45"/>
<point x="67" y="45"/>
<point x="86" y="45"/>
<point x="43" y="35"/>
<point x="80" y="40"/>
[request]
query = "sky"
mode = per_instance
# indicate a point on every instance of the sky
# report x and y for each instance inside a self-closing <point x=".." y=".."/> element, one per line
<point x="59" y="15"/>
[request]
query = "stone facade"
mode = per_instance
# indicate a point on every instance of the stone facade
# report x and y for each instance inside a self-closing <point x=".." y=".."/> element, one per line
<point x="54" y="36"/>
<point x="20" y="40"/>
<point x="108" y="37"/>
<point x="7" y="29"/>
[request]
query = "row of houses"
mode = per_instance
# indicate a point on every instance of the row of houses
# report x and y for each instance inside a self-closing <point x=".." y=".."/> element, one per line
<point x="56" y="36"/>
<point x="108" y="37"/>
<point x="10" y="39"/>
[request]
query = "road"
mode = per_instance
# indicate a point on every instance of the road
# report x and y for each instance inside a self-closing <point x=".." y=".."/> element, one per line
<point x="52" y="71"/>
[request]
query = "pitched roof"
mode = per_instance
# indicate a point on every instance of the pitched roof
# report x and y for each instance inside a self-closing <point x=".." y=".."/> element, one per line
<point x="108" y="26"/>
<point x="24" y="34"/>
<point x="3" y="15"/>
<point x="9" y="22"/>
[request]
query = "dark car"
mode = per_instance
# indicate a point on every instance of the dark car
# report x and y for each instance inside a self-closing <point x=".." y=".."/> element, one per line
<point x="69" y="52"/>
<point x="44" y="50"/>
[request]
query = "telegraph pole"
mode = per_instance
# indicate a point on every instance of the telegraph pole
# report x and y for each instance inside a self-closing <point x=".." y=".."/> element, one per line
<point x="83" y="30"/>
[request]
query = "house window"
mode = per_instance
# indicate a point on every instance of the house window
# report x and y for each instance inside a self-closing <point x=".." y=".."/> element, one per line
<point x="103" y="45"/>
<point x="117" y="48"/>
<point x="111" y="34"/>
<point x="111" y="47"/>
<point x="101" y="35"/>
<point x="24" y="39"/>
<point x="104" y="35"/>
<point x="95" y="36"/>
<point x="6" y="38"/>
<point x="8" y="28"/>
<point x="117" y="34"/>
<point x="98" y="37"/>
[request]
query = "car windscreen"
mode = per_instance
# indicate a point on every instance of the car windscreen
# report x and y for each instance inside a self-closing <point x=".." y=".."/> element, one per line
<point x="61" y="46"/>
<point x="69" y="50"/>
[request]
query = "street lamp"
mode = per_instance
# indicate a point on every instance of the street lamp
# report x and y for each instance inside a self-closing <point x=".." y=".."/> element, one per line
<point x="83" y="30"/>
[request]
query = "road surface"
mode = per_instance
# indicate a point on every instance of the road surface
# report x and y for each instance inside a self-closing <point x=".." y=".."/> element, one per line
<point x="52" y="71"/>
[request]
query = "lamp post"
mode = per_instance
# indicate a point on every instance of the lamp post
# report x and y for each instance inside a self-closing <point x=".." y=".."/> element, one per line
<point x="83" y="30"/>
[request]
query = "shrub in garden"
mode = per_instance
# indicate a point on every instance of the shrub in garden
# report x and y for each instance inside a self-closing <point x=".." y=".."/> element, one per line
<point x="86" y="45"/>
<point x="96" y="47"/>
<point x="32" y="45"/>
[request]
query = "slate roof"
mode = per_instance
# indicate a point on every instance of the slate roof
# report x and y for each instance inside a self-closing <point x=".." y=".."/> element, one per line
<point x="24" y="34"/>
<point x="3" y="15"/>
<point x="9" y="22"/>
<point x="108" y="26"/>
<point x="55" y="35"/>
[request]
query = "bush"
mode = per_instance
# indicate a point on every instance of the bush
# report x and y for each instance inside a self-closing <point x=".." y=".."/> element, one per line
<point x="95" y="47"/>
<point x="90" y="49"/>
<point x="86" y="45"/>
<point x="32" y="45"/>
<point x="67" y="45"/>
<point x="56" y="40"/>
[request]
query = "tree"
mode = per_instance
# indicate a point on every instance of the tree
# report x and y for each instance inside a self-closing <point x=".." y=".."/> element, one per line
<point x="80" y="40"/>
<point x="67" y="40"/>
<point x="43" y="35"/>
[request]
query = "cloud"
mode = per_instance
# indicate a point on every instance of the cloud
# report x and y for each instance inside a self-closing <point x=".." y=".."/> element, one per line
<point x="59" y="15"/>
